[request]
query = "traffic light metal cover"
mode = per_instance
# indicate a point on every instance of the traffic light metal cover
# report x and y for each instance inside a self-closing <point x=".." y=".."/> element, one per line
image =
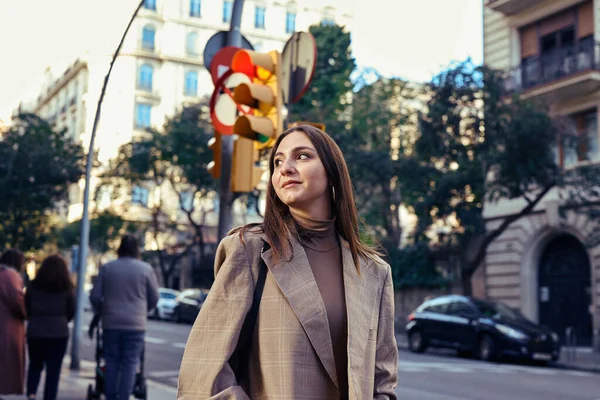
<point x="263" y="95"/>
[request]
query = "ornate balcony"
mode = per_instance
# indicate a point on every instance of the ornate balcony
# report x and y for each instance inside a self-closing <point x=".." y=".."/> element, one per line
<point x="562" y="74"/>
<point x="510" y="7"/>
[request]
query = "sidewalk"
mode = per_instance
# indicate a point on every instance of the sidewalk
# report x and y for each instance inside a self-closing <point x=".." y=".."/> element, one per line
<point x="74" y="385"/>
<point x="580" y="359"/>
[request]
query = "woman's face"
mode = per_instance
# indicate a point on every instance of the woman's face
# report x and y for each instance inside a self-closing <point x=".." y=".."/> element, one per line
<point x="299" y="178"/>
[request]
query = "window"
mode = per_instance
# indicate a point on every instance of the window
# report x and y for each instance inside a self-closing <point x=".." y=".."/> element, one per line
<point x="139" y="195"/>
<point x="191" y="44"/>
<point x="227" y="10"/>
<point x="290" y="22"/>
<point x="150" y="5"/>
<point x="191" y="83"/>
<point x="438" y="306"/>
<point x="580" y="141"/>
<point x="461" y="309"/>
<point x="143" y="113"/>
<point x="145" y="75"/>
<point x="195" y="6"/>
<point x="259" y="17"/>
<point x="148" y="34"/>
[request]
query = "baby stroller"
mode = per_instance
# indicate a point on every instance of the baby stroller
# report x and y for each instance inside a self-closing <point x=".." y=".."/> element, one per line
<point x="96" y="389"/>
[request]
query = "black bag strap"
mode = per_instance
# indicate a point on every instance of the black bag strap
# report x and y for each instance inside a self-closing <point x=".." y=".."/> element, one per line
<point x="241" y="354"/>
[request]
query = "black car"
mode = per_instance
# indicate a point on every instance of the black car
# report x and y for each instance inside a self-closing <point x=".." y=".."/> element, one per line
<point x="188" y="305"/>
<point x="486" y="329"/>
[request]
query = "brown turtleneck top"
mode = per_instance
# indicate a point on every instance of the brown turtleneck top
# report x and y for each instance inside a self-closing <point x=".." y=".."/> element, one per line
<point x="320" y="242"/>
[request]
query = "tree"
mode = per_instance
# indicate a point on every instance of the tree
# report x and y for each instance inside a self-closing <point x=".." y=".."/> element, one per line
<point x="37" y="166"/>
<point x="106" y="228"/>
<point x="384" y="125"/>
<point x="172" y="162"/>
<point x="478" y="145"/>
<point x="327" y="99"/>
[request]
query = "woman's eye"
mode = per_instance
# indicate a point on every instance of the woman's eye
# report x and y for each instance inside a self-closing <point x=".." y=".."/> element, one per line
<point x="277" y="163"/>
<point x="303" y="156"/>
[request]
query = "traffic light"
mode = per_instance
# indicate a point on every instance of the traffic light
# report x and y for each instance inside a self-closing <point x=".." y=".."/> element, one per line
<point x="245" y="173"/>
<point x="264" y="122"/>
<point x="214" y="167"/>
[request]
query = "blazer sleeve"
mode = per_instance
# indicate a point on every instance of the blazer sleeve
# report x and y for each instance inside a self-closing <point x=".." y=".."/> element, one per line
<point x="386" y="356"/>
<point x="205" y="372"/>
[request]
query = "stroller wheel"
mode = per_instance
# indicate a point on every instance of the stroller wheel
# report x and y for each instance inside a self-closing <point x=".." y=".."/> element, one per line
<point x="91" y="395"/>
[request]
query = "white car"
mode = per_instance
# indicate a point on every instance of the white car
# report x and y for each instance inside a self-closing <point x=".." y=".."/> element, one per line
<point x="167" y="301"/>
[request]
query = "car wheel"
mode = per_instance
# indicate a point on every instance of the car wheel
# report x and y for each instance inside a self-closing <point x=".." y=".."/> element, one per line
<point x="177" y="316"/>
<point x="416" y="341"/>
<point x="487" y="348"/>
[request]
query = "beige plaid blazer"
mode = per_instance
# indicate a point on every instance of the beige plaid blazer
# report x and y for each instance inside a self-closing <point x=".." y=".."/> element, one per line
<point x="291" y="350"/>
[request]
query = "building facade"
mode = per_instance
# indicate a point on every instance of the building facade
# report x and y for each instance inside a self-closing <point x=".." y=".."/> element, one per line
<point x="540" y="264"/>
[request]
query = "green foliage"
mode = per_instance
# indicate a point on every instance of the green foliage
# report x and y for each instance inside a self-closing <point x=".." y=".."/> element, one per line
<point x="476" y="146"/>
<point x="414" y="266"/>
<point x="106" y="228"/>
<point x="174" y="159"/>
<point x="325" y="99"/>
<point x="37" y="165"/>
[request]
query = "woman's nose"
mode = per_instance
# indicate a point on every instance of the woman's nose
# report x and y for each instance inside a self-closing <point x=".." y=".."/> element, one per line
<point x="287" y="167"/>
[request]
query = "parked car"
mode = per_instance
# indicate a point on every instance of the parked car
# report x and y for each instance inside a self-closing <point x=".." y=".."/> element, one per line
<point x="167" y="300"/>
<point x="188" y="305"/>
<point x="486" y="329"/>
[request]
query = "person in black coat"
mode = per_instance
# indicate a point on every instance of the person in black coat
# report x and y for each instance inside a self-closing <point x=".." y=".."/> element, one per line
<point x="50" y="303"/>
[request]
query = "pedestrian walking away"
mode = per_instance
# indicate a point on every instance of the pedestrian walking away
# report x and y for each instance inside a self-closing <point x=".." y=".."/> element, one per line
<point x="12" y="325"/>
<point x="50" y="303"/>
<point x="300" y="308"/>
<point x="123" y="293"/>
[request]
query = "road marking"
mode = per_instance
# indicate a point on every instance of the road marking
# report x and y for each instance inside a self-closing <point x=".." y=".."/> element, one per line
<point x="151" y="339"/>
<point x="178" y="345"/>
<point x="163" y="374"/>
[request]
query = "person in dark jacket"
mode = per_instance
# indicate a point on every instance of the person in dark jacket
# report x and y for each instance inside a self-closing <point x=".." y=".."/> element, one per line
<point x="123" y="293"/>
<point x="50" y="302"/>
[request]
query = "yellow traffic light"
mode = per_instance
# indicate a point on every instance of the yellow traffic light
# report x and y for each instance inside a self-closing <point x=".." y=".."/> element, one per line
<point x="263" y="96"/>
<point x="214" y="167"/>
<point x="245" y="173"/>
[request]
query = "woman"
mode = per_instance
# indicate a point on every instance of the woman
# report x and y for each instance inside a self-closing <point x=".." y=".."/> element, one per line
<point x="12" y="327"/>
<point x="325" y="326"/>
<point x="50" y="302"/>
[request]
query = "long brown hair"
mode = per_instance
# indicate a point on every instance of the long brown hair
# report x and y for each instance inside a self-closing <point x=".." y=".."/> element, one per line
<point x="277" y="215"/>
<point x="53" y="276"/>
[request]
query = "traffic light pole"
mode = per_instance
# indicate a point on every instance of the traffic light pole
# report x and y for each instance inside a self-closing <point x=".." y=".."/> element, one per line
<point x="234" y="38"/>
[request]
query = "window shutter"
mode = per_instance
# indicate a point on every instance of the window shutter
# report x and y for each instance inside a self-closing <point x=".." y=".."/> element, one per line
<point x="529" y="41"/>
<point x="557" y="22"/>
<point x="585" y="19"/>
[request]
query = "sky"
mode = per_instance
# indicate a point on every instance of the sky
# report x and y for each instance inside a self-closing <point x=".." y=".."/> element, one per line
<point x="412" y="39"/>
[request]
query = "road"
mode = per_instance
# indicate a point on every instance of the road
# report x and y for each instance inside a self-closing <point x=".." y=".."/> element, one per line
<point x="429" y="376"/>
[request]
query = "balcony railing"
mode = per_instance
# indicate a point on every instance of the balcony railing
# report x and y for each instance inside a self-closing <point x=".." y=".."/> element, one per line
<point x="554" y="66"/>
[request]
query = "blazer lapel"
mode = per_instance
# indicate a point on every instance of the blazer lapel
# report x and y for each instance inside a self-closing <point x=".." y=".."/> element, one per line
<point x="361" y="300"/>
<point x="297" y="282"/>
